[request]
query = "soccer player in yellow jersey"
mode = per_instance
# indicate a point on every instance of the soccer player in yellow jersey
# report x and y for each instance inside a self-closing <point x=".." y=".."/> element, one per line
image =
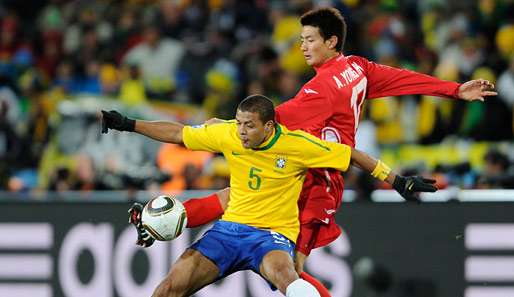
<point x="268" y="164"/>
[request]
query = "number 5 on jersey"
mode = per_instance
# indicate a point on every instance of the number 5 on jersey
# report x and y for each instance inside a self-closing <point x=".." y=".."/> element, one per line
<point x="358" y="95"/>
<point x="254" y="182"/>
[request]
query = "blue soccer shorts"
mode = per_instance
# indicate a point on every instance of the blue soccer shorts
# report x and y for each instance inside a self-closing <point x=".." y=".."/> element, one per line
<point x="234" y="247"/>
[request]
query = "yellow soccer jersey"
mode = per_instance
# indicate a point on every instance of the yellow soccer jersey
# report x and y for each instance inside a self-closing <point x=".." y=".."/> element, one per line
<point x="265" y="183"/>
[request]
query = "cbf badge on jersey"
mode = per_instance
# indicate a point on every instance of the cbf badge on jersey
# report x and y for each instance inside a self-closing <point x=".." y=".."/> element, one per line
<point x="280" y="162"/>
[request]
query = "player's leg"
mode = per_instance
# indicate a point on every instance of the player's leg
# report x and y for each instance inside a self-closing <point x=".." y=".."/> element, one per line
<point x="203" y="210"/>
<point x="304" y="245"/>
<point x="190" y="273"/>
<point x="278" y="268"/>
<point x="199" y="211"/>
<point x="317" y="206"/>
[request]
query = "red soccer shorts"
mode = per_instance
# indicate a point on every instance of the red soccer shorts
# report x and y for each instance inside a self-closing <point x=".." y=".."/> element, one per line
<point x="319" y="200"/>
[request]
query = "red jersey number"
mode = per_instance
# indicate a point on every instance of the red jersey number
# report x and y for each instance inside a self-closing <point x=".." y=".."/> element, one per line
<point x="358" y="95"/>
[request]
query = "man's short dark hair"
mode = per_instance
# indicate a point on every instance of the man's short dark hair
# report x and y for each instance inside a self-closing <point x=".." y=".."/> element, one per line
<point x="496" y="157"/>
<point x="329" y="21"/>
<point x="259" y="104"/>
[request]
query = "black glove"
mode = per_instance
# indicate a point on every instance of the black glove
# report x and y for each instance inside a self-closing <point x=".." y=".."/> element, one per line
<point x="114" y="120"/>
<point x="407" y="186"/>
<point x="143" y="237"/>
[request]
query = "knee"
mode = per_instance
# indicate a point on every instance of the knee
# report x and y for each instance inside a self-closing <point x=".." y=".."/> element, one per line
<point x="169" y="288"/>
<point x="284" y="276"/>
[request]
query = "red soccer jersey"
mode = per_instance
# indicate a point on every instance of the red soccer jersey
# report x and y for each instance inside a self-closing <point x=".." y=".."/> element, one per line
<point x="329" y="105"/>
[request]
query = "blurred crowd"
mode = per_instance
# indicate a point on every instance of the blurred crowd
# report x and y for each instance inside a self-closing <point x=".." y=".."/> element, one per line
<point x="207" y="55"/>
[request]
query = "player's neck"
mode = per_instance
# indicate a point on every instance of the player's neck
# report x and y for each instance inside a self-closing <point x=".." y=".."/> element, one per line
<point x="270" y="134"/>
<point x="330" y="56"/>
<point x="267" y="137"/>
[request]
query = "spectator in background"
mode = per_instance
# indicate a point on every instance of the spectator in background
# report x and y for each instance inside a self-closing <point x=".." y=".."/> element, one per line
<point x="172" y="23"/>
<point x="90" y="50"/>
<point x="8" y="37"/>
<point x="288" y="84"/>
<point x="125" y="33"/>
<point x="221" y="81"/>
<point x="506" y="84"/>
<point x="158" y="58"/>
<point x="11" y="103"/>
<point x="109" y="79"/>
<point x="65" y="77"/>
<point x="497" y="172"/>
<point x="132" y="89"/>
<point x="506" y="90"/>
<point x="198" y="58"/>
<point x="61" y="180"/>
<point x="51" y="53"/>
<point x="9" y="146"/>
<point x="267" y="70"/>
<point x="37" y="130"/>
<point x="90" y="83"/>
<point x="218" y="173"/>
<point x="174" y="160"/>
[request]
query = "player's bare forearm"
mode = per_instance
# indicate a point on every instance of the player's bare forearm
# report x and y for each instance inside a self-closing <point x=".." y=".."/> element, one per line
<point x="369" y="164"/>
<point x="159" y="130"/>
<point x="170" y="132"/>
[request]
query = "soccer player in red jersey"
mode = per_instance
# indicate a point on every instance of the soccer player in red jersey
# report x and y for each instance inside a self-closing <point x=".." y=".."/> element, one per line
<point x="329" y="106"/>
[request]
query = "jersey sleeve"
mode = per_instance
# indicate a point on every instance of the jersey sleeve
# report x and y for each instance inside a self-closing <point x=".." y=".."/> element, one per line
<point x="204" y="137"/>
<point x="386" y="81"/>
<point x="317" y="153"/>
<point x="310" y="107"/>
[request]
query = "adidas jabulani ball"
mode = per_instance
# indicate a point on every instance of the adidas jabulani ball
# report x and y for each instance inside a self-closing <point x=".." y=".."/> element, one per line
<point x="164" y="218"/>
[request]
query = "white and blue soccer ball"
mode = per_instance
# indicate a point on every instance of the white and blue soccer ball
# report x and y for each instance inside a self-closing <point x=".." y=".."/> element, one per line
<point x="164" y="217"/>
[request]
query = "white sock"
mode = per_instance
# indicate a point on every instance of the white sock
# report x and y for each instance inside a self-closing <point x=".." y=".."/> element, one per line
<point x="301" y="288"/>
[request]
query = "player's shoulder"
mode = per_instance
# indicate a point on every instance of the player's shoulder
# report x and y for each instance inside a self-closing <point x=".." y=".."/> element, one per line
<point x="356" y="59"/>
<point x="228" y="126"/>
<point x="301" y="137"/>
<point x="311" y="89"/>
<point x="218" y="128"/>
<point x="219" y="123"/>
<point x="315" y="85"/>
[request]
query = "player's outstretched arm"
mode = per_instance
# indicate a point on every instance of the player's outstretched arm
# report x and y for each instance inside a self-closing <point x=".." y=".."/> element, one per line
<point x="407" y="186"/>
<point x="159" y="130"/>
<point x="385" y="81"/>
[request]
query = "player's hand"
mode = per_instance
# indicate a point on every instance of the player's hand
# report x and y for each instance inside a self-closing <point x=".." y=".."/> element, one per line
<point x="409" y="186"/>
<point x="114" y="120"/>
<point x="476" y="89"/>
<point x="143" y="237"/>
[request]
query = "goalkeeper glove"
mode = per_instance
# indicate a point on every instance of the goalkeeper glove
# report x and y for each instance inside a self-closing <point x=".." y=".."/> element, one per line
<point x="114" y="120"/>
<point x="143" y="237"/>
<point x="408" y="186"/>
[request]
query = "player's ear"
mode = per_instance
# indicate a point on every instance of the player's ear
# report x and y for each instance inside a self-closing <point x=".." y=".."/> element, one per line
<point x="331" y="42"/>
<point x="268" y="126"/>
